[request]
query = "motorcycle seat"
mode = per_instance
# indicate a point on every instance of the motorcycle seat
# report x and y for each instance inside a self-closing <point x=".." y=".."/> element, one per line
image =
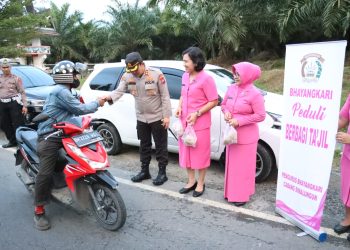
<point x="30" y="138"/>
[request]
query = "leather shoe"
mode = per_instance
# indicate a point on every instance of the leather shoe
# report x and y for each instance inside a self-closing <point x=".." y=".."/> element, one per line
<point x="239" y="204"/>
<point x="340" y="229"/>
<point x="186" y="190"/>
<point x="160" y="179"/>
<point x="141" y="176"/>
<point x="197" y="194"/>
<point x="10" y="145"/>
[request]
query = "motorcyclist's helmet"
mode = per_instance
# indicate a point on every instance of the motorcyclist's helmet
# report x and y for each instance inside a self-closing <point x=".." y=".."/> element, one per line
<point x="64" y="72"/>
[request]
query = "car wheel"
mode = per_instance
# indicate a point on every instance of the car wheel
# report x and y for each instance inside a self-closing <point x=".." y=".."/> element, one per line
<point x="264" y="163"/>
<point x="111" y="138"/>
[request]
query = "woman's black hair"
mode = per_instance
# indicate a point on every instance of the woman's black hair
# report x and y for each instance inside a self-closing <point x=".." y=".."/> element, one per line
<point x="197" y="57"/>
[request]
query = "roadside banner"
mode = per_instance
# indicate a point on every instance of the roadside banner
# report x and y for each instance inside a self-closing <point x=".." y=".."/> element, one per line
<point x="312" y="90"/>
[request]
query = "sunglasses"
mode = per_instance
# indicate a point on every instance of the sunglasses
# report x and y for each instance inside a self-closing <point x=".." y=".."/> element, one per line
<point x="132" y="69"/>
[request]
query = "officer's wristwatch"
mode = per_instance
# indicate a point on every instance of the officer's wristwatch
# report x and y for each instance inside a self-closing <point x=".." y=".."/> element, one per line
<point x="198" y="114"/>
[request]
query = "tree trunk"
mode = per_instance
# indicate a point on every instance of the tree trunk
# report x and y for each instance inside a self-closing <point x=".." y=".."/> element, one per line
<point x="30" y="7"/>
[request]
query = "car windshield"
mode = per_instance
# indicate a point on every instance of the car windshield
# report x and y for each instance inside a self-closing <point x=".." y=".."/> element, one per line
<point x="32" y="77"/>
<point x="223" y="79"/>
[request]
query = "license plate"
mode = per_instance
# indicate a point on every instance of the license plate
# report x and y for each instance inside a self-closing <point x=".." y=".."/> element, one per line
<point x="87" y="138"/>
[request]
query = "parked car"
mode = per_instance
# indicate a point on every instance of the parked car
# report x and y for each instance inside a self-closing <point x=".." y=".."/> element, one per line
<point x="37" y="84"/>
<point x="120" y="120"/>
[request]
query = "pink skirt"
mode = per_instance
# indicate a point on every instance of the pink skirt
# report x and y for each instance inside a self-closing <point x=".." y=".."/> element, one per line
<point x="240" y="172"/>
<point x="196" y="157"/>
<point x="345" y="180"/>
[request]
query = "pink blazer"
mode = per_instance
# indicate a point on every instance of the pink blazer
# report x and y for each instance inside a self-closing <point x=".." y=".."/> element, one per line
<point x="345" y="114"/>
<point x="245" y="103"/>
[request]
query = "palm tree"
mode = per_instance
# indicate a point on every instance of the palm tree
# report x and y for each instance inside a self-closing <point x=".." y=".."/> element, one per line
<point x="130" y="29"/>
<point x="16" y="27"/>
<point x="66" y="45"/>
<point x="333" y="16"/>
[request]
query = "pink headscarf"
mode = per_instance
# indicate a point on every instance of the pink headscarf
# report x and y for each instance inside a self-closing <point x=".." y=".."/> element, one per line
<point x="248" y="72"/>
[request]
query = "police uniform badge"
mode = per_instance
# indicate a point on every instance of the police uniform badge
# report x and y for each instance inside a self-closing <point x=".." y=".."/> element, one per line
<point x="161" y="79"/>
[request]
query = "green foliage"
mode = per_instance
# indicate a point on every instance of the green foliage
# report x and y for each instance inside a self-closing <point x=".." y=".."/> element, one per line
<point x="69" y="43"/>
<point x="130" y="29"/>
<point x="16" y="27"/>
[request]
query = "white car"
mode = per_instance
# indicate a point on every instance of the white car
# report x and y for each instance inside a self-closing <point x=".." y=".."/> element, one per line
<point x="120" y="120"/>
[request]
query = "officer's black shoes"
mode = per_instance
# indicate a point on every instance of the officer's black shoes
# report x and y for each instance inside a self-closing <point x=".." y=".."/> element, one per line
<point x="141" y="176"/>
<point x="160" y="179"/>
<point x="10" y="145"/>
<point x="41" y="222"/>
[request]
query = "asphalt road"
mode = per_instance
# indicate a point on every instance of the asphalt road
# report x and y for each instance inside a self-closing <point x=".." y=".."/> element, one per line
<point x="158" y="217"/>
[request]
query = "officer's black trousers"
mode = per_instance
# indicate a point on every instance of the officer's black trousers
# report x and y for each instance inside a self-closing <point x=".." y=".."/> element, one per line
<point x="11" y="118"/>
<point x="145" y="131"/>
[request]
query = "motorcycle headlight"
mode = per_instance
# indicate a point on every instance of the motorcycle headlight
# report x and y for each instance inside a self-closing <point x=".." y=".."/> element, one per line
<point x="277" y="120"/>
<point x="80" y="154"/>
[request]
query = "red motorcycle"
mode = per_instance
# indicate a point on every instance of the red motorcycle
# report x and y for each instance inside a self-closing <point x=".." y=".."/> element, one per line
<point x="84" y="162"/>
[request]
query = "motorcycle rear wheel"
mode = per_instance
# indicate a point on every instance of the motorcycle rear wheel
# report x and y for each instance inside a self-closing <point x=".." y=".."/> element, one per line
<point x="111" y="213"/>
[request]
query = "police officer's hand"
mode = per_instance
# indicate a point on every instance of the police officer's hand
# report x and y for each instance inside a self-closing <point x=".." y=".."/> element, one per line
<point x="101" y="101"/>
<point x="24" y="110"/>
<point x="166" y="122"/>
<point x="108" y="99"/>
<point x="191" y="118"/>
<point x="178" y="112"/>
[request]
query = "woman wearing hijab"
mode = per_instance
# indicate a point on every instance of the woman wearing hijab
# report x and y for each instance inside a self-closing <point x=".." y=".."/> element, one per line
<point x="243" y="107"/>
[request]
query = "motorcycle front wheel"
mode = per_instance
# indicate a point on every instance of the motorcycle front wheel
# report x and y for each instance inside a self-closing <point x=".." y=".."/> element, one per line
<point x="110" y="210"/>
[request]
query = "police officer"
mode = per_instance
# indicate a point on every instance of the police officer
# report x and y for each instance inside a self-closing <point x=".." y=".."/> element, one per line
<point x="153" y="111"/>
<point x="13" y="103"/>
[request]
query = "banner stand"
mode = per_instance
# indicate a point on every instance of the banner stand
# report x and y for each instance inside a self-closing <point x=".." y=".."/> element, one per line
<point x="318" y="235"/>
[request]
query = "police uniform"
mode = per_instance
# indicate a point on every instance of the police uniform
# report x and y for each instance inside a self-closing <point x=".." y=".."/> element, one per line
<point x="152" y="105"/>
<point x="12" y="100"/>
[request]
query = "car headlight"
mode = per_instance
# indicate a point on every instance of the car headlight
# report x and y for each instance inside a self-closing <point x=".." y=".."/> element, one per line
<point x="93" y="164"/>
<point x="277" y="120"/>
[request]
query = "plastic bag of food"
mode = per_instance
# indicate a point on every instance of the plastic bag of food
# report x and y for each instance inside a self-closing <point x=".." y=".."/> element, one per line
<point x="189" y="137"/>
<point x="177" y="128"/>
<point x="230" y="135"/>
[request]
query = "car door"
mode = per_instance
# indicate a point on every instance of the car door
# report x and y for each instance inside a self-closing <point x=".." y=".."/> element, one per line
<point x="174" y="81"/>
<point x="122" y="113"/>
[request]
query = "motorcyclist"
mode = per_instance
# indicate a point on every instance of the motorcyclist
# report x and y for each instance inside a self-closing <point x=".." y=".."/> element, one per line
<point x="59" y="106"/>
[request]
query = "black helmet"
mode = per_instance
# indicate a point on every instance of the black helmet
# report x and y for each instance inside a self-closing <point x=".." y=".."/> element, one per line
<point x="64" y="72"/>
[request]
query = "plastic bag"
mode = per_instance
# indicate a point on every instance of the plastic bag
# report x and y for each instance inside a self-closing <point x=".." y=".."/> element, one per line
<point x="230" y="135"/>
<point x="189" y="137"/>
<point x="177" y="128"/>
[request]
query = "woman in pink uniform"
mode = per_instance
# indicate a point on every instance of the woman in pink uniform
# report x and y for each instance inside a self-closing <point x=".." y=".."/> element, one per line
<point x="243" y="107"/>
<point x="198" y="97"/>
<point x="344" y="138"/>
